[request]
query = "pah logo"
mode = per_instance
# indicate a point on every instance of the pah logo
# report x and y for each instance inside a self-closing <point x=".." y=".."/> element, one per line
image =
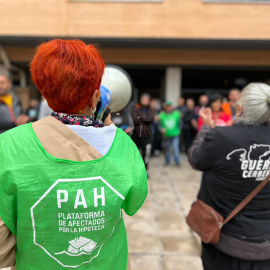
<point x="255" y="162"/>
<point x="72" y="221"/>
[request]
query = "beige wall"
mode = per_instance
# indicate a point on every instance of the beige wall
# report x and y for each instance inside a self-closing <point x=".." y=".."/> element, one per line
<point x="164" y="56"/>
<point x="168" y="19"/>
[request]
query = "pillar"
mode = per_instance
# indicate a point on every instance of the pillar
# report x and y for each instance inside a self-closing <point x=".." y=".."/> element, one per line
<point x="173" y="83"/>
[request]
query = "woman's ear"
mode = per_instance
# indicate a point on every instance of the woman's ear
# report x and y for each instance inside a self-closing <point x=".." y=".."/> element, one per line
<point x="95" y="98"/>
<point x="97" y="95"/>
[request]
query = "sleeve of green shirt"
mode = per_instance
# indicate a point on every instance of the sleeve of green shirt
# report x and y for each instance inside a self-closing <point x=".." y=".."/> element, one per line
<point x="7" y="191"/>
<point x="139" y="189"/>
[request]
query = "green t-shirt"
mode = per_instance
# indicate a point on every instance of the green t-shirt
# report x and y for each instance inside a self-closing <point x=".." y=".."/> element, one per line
<point x="170" y="122"/>
<point x="67" y="214"/>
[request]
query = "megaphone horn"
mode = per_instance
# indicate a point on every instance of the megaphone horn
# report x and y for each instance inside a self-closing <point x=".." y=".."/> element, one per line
<point x="116" y="89"/>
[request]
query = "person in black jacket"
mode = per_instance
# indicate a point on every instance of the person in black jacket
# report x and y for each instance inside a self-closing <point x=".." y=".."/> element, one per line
<point x="189" y="124"/>
<point x="10" y="107"/>
<point x="234" y="161"/>
<point x="143" y="118"/>
<point x="123" y="119"/>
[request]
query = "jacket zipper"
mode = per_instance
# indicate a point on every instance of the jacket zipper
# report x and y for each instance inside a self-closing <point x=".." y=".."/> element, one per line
<point x="140" y="130"/>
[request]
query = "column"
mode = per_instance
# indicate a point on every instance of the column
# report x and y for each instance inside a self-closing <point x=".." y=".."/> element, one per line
<point x="173" y="83"/>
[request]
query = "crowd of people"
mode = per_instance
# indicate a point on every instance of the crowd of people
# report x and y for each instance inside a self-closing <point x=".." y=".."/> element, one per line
<point x="162" y="126"/>
<point x="152" y="125"/>
<point x="71" y="153"/>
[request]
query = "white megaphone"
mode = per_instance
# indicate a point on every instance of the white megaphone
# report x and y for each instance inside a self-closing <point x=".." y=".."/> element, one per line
<point x="115" y="90"/>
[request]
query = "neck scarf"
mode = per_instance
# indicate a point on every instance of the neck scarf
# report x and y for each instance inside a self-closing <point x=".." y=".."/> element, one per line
<point x="7" y="100"/>
<point x="81" y="120"/>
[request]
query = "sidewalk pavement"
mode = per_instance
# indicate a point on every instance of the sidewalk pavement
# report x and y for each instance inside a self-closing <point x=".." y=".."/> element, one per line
<point x="158" y="236"/>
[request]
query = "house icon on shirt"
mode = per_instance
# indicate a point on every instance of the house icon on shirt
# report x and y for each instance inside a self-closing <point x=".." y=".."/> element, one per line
<point x="81" y="245"/>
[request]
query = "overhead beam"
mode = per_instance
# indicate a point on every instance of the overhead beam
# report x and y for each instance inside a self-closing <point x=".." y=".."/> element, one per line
<point x="178" y="57"/>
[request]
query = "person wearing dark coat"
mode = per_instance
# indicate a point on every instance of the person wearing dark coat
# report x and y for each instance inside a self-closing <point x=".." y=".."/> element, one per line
<point x="235" y="160"/>
<point x="143" y="118"/>
<point x="189" y="124"/>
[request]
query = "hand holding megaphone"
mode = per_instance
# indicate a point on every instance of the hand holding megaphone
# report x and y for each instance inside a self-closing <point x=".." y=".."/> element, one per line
<point x="107" y="119"/>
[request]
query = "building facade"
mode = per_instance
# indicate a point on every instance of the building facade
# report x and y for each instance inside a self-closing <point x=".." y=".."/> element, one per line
<point x="169" y="47"/>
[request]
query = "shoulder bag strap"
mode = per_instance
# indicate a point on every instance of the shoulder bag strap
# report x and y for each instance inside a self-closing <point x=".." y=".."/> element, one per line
<point x="242" y="204"/>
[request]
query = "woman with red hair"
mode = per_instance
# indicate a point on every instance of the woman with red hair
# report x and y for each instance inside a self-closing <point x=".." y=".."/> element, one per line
<point x="65" y="179"/>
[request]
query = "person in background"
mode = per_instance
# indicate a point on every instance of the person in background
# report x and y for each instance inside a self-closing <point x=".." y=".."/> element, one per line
<point x="123" y="119"/>
<point x="235" y="160"/>
<point x="219" y="117"/>
<point x="143" y="118"/>
<point x="203" y="101"/>
<point x="182" y="108"/>
<point x="33" y="109"/>
<point x="189" y="124"/>
<point x="157" y="138"/>
<point x="230" y="107"/>
<point x="44" y="109"/>
<point x="10" y="107"/>
<point x="163" y="106"/>
<point x="170" y="123"/>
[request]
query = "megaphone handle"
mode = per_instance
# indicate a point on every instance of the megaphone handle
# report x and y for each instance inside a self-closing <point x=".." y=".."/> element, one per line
<point x="97" y="109"/>
<point x="105" y="114"/>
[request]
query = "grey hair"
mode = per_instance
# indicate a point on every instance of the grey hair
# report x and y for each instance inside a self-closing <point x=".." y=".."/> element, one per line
<point x="255" y="102"/>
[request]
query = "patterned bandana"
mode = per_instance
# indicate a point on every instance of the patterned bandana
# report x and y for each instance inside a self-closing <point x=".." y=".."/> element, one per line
<point x="81" y="120"/>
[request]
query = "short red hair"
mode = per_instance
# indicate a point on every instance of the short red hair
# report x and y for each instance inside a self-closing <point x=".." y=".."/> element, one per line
<point x="67" y="72"/>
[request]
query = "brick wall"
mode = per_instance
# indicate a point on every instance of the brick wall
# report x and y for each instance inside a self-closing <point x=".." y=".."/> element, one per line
<point x="168" y="19"/>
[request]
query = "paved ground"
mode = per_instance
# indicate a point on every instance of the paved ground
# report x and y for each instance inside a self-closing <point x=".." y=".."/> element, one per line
<point x="159" y="238"/>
